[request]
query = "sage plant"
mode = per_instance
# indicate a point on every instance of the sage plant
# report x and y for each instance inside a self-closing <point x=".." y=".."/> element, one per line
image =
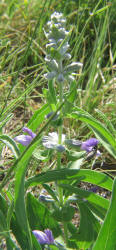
<point x="60" y="75"/>
<point x="59" y="72"/>
<point x="35" y="221"/>
<point x="57" y="54"/>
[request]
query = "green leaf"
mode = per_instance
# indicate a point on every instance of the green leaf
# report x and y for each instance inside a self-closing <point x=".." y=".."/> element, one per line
<point x="73" y="156"/>
<point x="52" y="93"/>
<point x="107" y="236"/>
<point x="4" y="230"/>
<point x="3" y="205"/>
<point x="40" y="217"/>
<point x="108" y="123"/>
<point x="76" y="164"/>
<point x="55" y="54"/>
<point x="99" y="129"/>
<point x="98" y="210"/>
<point x="57" y="247"/>
<point x="11" y="244"/>
<point x="11" y="144"/>
<point x="72" y="228"/>
<point x="12" y="224"/>
<point x="38" y="117"/>
<point x="50" y="191"/>
<point x="3" y="224"/>
<point x="64" y="214"/>
<point x="19" y="199"/>
<point x="88" y="229"/>
<point x="73" y="92"/>
<point x="89" y="198"/>
<point x="9" y="214"/>
<point x="36" y="245"/>
<point x="42" y="155"/>
<point x="4" y="120"/>
<point x="19" y="233"/>
<point x="91" y="176"/>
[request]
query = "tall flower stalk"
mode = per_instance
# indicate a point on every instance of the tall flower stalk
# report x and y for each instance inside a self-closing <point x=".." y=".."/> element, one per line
<point x="58" y="74"/>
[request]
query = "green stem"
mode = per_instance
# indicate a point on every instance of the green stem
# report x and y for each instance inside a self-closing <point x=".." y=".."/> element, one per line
<point x="60" y="191"/>
<point x="60" y="100"/>
<point x="65" y="233"/>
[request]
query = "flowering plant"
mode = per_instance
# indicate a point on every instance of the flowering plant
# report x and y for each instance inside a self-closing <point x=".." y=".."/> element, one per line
<point x="46" y="220"/>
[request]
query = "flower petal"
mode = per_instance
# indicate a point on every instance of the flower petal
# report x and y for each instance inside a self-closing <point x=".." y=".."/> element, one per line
<point x="89" y="144"/>
<point x="23" y="139"/>
<point x="29" y="131"/>
<point x="51" y="141"/>
<point x="49" y="235"/>
<point x="41" y="237"/>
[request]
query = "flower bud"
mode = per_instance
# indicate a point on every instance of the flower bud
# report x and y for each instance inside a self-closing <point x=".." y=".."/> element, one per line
<point x="73" y="67"/>
<point x="60" y="148"/>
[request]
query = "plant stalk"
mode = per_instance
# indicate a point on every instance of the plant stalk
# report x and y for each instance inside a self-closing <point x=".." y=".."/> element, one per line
<point x="65" y="233"/>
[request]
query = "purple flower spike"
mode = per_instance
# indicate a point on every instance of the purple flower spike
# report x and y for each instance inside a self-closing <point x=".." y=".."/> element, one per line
<point x="25" y="139"/>
<point x="89" y="144"/>
<point x="45" y="237"/>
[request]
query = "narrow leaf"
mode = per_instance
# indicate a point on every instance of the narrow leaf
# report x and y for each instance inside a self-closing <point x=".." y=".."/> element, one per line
<point x="86" y="175"/>
<point x="88" y="196"/>
<point x="11" y="144"/>
<point x="88" y="229"/>
<point x="38" y="117"/>
<point x="107" y="236"/>
<point x="52" y="92"/>
<point x="99" y="129"/>
<point x="19" y="201"/>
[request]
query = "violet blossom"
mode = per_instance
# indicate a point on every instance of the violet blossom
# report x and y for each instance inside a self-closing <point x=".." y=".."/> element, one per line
<point x="25" y="139"/>
<point x="89" y="145"/>
<point x="45" y="237"/>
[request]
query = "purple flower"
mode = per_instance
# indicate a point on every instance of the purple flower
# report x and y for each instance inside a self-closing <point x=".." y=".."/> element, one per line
<point x="25" y="139"/>
<point x="89" y="145"/>
<point x="45" y="237"/>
